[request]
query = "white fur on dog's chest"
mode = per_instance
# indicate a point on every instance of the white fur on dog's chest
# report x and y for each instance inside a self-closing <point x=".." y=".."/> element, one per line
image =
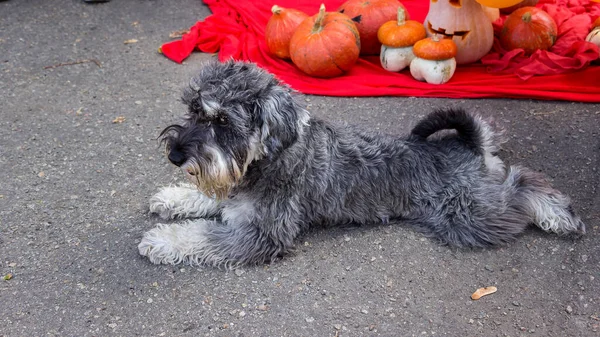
<point x="240" y="210"/>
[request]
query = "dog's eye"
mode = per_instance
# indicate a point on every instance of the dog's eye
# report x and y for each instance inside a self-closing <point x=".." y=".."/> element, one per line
<point x="222" y="120"/>
<point x="202" y="120"/>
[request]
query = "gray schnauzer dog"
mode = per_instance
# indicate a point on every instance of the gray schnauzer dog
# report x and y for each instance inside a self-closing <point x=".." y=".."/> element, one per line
<point x="265" y="171"/>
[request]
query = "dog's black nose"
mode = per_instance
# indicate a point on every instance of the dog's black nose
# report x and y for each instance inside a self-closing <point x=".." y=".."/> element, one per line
<point x="176" y="157"/>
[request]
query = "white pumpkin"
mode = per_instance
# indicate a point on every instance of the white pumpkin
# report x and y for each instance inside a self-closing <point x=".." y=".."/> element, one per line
<point x="434" y="60"/>
<point x="432" y="71"/>
<point x="594" y="36"/>
<point x="397" y="38"/>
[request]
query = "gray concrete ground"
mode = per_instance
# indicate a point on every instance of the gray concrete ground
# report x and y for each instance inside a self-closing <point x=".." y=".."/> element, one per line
<point x="74" y="185"/>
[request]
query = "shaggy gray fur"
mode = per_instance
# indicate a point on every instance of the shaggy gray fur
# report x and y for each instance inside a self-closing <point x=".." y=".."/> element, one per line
<point x="247" y="142"/>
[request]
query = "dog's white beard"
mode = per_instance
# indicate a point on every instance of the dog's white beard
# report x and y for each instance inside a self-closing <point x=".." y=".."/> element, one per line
<point x="222" y="172"/>
<point x="215" y="179"/>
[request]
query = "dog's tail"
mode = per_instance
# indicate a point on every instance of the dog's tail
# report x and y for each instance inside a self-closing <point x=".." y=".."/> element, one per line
<point x="476" y="133"/>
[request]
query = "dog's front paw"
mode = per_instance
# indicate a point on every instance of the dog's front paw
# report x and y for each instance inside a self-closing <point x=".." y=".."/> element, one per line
<point x="159" y="246"/>
<point x="175" y="243"/>
<point x="183" y="201"/>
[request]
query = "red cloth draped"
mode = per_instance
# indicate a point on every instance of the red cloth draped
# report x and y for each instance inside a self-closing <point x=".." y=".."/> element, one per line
<point x="236" y="30"/>
<point x="569" y="53"/>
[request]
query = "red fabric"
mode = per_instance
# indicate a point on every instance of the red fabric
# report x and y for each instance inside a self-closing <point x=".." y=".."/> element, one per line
<point x="236" y="30"/>
<point x="569" y="53"/>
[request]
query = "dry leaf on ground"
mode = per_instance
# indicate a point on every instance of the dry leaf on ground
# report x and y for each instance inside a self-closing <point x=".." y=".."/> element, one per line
<point x="483" y="292"/>
<point x="178" y="33"/>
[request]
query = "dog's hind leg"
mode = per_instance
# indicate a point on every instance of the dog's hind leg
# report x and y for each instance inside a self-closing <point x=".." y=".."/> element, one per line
<point x="183" y="201"/>
<point x="545" y="206"/>
<point x="495" y="211"/>
<point x="492" y="137"/>
<point x="479" y="218"/>
<point x="209" y="242"/>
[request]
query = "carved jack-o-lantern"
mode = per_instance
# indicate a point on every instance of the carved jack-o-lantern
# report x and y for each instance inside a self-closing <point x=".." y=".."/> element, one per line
<point x="465" y="22"/>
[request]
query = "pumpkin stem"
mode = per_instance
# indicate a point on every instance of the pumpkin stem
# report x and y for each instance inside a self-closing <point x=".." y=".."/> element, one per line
<point x="276" y="10"/>
<point x="401" y="16"/>
<point x="435" y="37"/>
<point x="526" y="17"/>
<point x="319" y="21"/>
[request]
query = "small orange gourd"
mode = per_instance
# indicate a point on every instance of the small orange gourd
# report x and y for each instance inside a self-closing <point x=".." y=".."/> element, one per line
<point x="397" y="38"/>
<point x="434" y="60"/>
<point x="435" y="48"/>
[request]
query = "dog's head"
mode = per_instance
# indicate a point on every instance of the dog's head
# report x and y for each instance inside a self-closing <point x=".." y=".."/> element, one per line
<point x="237" y="114"/>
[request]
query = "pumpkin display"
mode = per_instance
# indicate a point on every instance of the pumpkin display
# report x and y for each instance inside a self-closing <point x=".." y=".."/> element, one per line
<point x="530" y="29"/>
<point x="524" y="3"/>
<point x="326" y="44"/>
<point x="280" y="28"/>
<point x="369" y="15"/>
<point x="434" y="60"/>
<point x="397" y="39"/>
<point x="465" y="22"/>
<point x="594" y="35"/>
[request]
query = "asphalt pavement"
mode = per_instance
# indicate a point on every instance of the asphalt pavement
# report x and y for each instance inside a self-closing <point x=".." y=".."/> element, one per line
<point x="83" y="96"/>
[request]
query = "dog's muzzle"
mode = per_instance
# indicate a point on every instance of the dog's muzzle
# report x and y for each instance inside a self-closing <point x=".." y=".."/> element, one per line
<point x="214" y="173"/>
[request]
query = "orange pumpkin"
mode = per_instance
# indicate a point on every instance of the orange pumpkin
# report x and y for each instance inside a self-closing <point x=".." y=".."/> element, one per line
<point x="369" y="15"/>
<point x="280" y="28"/>
<point x="401" y="32"/>
<point x="465" y="22"/>
<point x="326" y="44"/>
<point x="596" y="23"/>
<point x="530" y="29"/>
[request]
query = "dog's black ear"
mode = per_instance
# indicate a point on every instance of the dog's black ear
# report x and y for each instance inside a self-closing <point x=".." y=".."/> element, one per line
<point x="281" y="119"/>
